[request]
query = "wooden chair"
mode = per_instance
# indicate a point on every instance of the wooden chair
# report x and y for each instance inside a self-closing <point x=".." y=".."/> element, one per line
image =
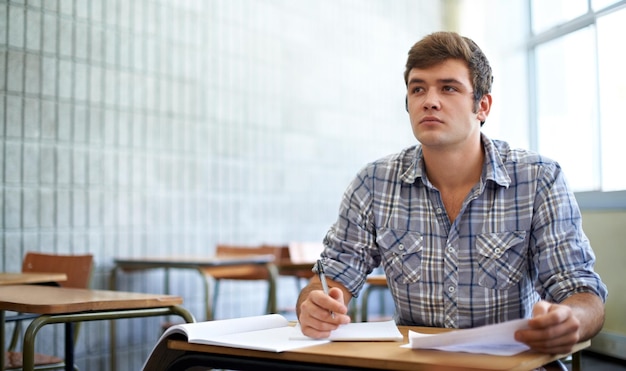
<point x="297" y="261"/>
<point x="246" y="272"/>
<point x="374" y="282"/>
<point x="78" y="269"/>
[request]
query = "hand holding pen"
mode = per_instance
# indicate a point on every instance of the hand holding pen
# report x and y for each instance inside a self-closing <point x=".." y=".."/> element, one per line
<point x="322" y="311"/>
<point x="322" y="276"/>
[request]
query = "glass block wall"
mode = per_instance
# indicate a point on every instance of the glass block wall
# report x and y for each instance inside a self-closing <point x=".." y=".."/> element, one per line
<point x="165" y="127"/>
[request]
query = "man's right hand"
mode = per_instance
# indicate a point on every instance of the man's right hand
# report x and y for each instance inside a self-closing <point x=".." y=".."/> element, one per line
<point x="319" y="314"/>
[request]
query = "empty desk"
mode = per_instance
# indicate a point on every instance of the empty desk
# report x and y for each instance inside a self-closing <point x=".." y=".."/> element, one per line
<point x="69" y="305"/>
<point x="199" y="264"/>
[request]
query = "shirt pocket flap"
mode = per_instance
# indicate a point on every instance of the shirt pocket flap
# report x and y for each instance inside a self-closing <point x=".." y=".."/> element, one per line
<point x="398" y="241"/>
<point x="500" y="262"/>
<point x="402" y="253"/>
<point x="494" y="245"/>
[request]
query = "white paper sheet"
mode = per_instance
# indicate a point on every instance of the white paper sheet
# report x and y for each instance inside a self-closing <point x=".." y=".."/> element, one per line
<point x="358" y="331"/>
<point x="495" y="339"/>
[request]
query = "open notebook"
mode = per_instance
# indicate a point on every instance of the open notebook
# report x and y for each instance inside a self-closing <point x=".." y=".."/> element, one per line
<point x="271" y="333"/>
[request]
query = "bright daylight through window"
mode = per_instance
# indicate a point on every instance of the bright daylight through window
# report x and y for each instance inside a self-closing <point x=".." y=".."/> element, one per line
<point x="579" y="88"/>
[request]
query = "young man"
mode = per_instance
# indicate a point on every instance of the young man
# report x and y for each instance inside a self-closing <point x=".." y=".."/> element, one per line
<point x="469" y="231"/>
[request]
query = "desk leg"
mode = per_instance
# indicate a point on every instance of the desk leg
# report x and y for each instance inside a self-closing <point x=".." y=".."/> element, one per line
<point x="28" y="355"/>
<point x="2" y="345"/>
<point x="69" y="346"/>
<point x="206" y="282"/>
<point x="166" y="281"/>
<point x="577" y="361"/>
<point x="39" y="322"/>
<point x="112" y="329"/>
<point x="271" y="295"/>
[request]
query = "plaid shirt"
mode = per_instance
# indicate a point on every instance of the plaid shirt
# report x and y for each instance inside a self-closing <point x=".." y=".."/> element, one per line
<point x="518" y="238"/>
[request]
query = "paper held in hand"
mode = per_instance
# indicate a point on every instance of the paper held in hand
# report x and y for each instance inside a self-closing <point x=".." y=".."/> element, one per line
<point x="495" y="339"/>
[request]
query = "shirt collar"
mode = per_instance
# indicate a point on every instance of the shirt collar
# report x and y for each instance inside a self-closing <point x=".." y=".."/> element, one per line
<point x="493" y="168"/>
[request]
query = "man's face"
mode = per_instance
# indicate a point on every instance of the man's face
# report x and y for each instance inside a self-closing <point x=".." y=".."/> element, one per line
<point x="441" y="106"/>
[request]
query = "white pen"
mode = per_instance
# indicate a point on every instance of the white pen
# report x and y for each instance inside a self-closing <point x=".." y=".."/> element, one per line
<point x="320" y="272"/>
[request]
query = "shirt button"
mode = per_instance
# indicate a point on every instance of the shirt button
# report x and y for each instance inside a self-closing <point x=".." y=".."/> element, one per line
<point x="439" y="210"/>
<point x="451" y="289"/>
<point x="401" y="247"/>
<point x="450" y="249"/>
<point x="496" y="250"/>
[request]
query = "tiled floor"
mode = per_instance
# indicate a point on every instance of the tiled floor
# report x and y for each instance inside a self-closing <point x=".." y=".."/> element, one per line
<point x="594" y="361"/>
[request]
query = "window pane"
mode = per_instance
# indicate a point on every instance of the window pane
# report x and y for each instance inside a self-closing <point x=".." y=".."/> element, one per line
<point x="612" y="82"/>
<point x="549" y="13"/>
<point x="566" y="106"/>
<point x="601" y="4"/>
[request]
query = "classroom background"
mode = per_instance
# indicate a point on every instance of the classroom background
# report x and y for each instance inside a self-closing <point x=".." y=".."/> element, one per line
<point x="154" y="127"/>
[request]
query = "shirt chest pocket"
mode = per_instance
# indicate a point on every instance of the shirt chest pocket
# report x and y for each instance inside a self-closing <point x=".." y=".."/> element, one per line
<point x="501" y="259"/>
<point x="402" y="254"/>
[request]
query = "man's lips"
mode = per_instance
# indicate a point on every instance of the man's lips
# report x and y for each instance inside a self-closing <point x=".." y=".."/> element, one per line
<point x="430" y="119"/>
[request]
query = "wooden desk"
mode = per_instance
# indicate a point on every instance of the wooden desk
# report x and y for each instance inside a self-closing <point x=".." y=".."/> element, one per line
<point x="19" y="278"/>
<point x="198" y="264"/>
<point x="27" y="278"/>
<point x="351" y="356"/>
<point x="69" y="305"/>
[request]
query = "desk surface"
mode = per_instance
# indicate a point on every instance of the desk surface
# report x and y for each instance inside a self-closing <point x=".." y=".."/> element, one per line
<point x="54" y="300"/>
<point x="26" y="278"/>
<point x="183" y="261"/>
<point x="382" y="355"/>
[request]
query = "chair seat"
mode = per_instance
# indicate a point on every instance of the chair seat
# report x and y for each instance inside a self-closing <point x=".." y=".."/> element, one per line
<point x="14" y="360"/>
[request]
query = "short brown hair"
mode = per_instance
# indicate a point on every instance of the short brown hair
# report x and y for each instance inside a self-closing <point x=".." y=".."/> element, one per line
<point x="439" y="46"/>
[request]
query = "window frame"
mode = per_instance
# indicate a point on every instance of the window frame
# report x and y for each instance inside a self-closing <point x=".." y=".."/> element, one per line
<point x="587" y="200"/>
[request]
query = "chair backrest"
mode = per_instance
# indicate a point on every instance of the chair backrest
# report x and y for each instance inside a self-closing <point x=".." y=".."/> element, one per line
<point x="305" y="252"/>
<point x="77" y="267"/>
<point x="238" y="250"/>
<point x="244" y="272"/>
<point x="299" y="259"/>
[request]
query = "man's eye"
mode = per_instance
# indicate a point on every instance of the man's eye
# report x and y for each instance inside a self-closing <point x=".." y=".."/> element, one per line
<point x="449" y="89"/>
<point x="417" y="89"/>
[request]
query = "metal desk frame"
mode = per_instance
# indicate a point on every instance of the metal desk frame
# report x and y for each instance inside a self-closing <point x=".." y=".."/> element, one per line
<point x="198" y="264"/>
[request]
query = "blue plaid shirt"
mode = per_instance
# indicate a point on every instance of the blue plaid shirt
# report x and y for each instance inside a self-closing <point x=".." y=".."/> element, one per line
<point x="517" y="239"/>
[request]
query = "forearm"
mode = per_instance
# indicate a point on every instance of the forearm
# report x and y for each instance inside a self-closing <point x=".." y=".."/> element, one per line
<point x="589" y="310"/>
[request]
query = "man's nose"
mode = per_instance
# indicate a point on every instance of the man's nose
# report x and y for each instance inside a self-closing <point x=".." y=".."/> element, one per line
<point x="431" y="99"/>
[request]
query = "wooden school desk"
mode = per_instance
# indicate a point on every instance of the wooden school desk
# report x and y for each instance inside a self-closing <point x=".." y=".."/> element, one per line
<point x="198" y="264"/>
<point x="19" y="278"/>
<point x="28" y="278"/>
<point x="347" y="356"/>
<point x="69" y="305"/>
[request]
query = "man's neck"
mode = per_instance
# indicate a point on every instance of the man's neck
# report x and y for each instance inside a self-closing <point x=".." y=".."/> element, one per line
<point x="451" y="170"/>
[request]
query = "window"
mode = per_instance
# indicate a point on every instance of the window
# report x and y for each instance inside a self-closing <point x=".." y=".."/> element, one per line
<point x="578" y="88"/>
<point x="566" y="106"/>
<point x="612" y="84"/>
<point x="549" y="13"/>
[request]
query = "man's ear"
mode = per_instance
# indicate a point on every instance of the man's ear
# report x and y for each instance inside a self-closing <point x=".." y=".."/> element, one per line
<point x="484" y="106"/>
